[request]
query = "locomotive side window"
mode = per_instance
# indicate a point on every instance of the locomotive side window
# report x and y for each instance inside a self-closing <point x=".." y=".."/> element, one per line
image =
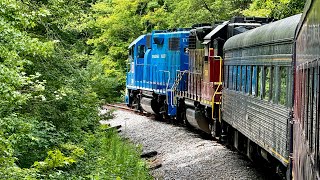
<point x="283" y="85"/>
<point x="239" y="78"/>
<point x="254" y="81"/>
<point x="249" y="83"/>
<point x="243" y="75"/>
<point x="267" y="87"/>
<point x="230" y="77"/>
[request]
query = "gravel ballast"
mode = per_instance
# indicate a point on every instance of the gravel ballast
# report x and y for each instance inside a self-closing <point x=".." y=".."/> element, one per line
<point x="184" y="154"/>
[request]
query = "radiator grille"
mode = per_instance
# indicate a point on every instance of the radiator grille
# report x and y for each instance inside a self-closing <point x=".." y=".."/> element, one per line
<point x="192" y="42"/>
<point x="174" y="44"/>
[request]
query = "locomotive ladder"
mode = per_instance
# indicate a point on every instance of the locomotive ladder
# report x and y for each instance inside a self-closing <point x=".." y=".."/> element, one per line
<point x="176" y="83"/>
<point x="217" y="92"/>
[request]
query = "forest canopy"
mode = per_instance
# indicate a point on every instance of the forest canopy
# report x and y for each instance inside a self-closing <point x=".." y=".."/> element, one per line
<point x="61" y="59"/>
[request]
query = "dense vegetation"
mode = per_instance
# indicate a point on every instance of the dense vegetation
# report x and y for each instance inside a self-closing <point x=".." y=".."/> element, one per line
<point x="60" y="59"/>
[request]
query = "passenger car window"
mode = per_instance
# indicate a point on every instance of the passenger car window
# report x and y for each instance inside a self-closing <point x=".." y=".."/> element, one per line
<point x="239" y="78"/>
<point x="254" y="80"/>
<point x="230" y="77"/>
<point x="259" y="83"/>
<point x="248" y="85"/>
<point x="225" y="77"/>
<point x="235" y="77"/>
<point x="283" y="85"/>
<point x="267" y="83"/>
<point x="244" y="78"/>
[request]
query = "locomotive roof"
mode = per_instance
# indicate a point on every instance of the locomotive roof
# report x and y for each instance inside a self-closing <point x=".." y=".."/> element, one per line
<point x="136" y="41"/>
<point x="276" y="32"/>
<point x="207" y="38"/>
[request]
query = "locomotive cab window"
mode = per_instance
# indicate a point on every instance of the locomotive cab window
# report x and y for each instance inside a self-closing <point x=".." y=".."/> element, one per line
<point x="131" y="54"/>
<point x="141" y="51"/>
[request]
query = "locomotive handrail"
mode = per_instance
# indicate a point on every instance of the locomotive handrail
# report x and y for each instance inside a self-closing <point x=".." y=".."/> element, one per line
<point x="174" y="86"/>
<point x="217" y="90"/>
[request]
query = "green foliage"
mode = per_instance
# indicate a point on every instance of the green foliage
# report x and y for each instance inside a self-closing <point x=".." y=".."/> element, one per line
<point x="108" y="157"/>
<point x="275" y="8"/>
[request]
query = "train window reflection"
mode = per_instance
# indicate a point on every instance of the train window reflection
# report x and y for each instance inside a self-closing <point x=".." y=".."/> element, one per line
<point x="283" y="85"/>
<point x="274" y="87"/>
<point x="259" y="81"/>
<point x="267" y="83"/>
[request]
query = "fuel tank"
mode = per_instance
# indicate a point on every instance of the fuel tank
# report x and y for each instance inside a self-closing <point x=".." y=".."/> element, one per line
<point x="197" y="120"/>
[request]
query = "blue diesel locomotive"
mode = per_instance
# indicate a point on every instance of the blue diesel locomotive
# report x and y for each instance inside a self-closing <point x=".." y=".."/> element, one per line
<point x="154" y="60"/>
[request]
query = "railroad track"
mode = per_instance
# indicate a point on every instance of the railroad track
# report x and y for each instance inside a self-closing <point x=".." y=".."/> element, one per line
<point x="124" y="106"/>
